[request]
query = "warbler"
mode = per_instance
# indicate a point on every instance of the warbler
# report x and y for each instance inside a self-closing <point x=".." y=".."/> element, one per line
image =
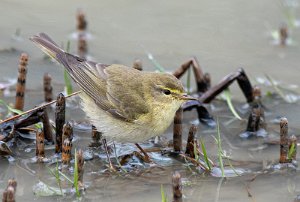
<point x="125" y="104"/>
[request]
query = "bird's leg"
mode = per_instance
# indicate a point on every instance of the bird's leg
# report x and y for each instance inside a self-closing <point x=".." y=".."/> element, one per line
<point x="147" y="158"/>
<point x="111" y="167"/>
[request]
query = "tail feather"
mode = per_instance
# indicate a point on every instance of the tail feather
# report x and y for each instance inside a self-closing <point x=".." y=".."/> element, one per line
<point x="47" y="45"/>
<point x="83" y="72"/>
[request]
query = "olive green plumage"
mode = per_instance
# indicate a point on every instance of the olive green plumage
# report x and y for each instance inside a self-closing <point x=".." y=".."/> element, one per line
<point x="125" y="104"/>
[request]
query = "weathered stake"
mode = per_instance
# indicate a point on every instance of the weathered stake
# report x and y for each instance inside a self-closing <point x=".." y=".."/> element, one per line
<point x="40" y="145"/>
<point x="59" y="121"/>
<point x="10" y="191"/>
<point x="47" y="128"/>
<point x="67" y="143"/>
<point x="82" y="46"/>
<point x="177" y="187"/>
<point x="80" y="164"/>
<point x="81" y="21"/>
<point x="256" y="93"/>
<point x="253" y="120"/>
<point x="284" y="146"/>
<point x="191" y="142"/>
<point x="200" y="77"/>
<point x="66" y="151"/>
<point x="243" y="82"/>
<point x="48" y="88"/>
<point x="177" y="130"/>
<point x="67" y="132"/>
<point x="137" y="64"/>
<point x="283" y="33"/>
<point x="96" y="137"/>
<point x="20" y="88"/>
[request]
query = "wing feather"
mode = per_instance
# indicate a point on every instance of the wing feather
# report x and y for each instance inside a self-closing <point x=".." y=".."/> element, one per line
<point x="112" y="87"/>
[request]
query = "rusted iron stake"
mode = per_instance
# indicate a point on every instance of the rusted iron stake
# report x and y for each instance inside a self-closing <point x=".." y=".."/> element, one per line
<point x="177" y="130"/>
<point x="59" y="121"/>
<point x="284" y="146"/>
<point x="177" y="187"/>
<point x="20" y="88"/>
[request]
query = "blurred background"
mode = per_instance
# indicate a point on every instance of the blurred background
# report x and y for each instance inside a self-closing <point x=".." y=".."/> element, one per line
<point x="222" y="35"/>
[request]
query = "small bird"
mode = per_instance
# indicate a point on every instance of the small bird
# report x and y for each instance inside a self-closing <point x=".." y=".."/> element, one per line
<point x="125" y="104"/>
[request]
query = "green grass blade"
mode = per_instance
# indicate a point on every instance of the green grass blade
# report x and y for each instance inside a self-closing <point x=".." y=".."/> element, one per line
<point x="156" y="64"/>
<point x="229" y="103"/>
<point x="205" y="154"/>
<point x="10" y="109"/>
<point x="278" y="91"/>
<point x="195" y="151"/>
<point x="163" y="195"/>
<point x="56" y="174"/>
<point x="231" y="166"/>
<point x="291" y="150"/>
<point x="117" y="159"/>
<point x="58" y="177"/>
<point x="18" y="112"/>
<point x="76" y="176"/>
<point x="67" y="78"/>
<point x="68" y="83"/>
<point x="220" y="151"/>
<point x="66" y="177"/>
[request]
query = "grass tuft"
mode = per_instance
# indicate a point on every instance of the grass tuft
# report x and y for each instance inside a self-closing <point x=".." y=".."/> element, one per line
<point x="163" y="195"/>
<point x="229" y="103"/>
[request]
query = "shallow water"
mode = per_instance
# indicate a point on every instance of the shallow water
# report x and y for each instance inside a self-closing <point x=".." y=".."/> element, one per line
<point x="223" y="35"/>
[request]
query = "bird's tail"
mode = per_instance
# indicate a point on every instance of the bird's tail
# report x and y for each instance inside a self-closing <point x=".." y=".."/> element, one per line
<point x="47" y="45"/>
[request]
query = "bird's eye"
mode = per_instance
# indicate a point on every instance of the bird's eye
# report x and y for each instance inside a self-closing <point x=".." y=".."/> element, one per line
<point x="166" y="92"/>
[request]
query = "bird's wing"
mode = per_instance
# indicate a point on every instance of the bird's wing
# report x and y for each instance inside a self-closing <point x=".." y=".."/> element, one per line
<point x="112" y="87"/>
<point x="125" y="90"/>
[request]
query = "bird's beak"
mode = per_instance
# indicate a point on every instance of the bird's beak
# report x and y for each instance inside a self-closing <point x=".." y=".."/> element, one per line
<point x="187" y="97"/>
